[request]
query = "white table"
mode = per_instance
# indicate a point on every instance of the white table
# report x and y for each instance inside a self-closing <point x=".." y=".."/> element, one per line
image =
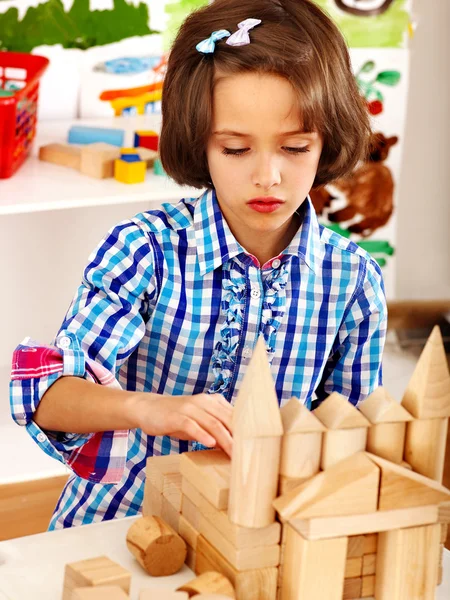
<point x="33" y="567"/>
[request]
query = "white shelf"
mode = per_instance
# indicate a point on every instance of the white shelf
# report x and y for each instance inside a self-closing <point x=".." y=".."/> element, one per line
<point x="39" y="186"/>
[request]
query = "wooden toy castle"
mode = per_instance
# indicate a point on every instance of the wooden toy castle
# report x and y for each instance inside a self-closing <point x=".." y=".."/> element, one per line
<point x="338" y="503"/>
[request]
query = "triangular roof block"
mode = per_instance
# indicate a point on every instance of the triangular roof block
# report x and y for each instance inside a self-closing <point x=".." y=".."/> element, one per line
<point x="336" y="412"/>
<point x="349" y="487"/>
<point x="380" y="407"/>
<point x="402" y="488"/>
<point x="298" y="419"/>
<point x="257" y="413"/>
<point x="428" y="393"/>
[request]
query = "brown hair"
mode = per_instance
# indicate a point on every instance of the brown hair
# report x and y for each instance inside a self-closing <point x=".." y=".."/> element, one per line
<point x="295" y="40"/>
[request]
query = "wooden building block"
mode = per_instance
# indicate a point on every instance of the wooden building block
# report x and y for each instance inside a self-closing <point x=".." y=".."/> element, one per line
<point x="156" y="546"/>
<point x="369" y="564"/>
<point x="170" y="515"/>
<point x="425" y="446"/>
<point x="97" y="160"/>
<point x="162" y="594"/>
<point x="336" y="412"/>
<point x="153" y="500"/>
<point x="211" y="582"/>
<point x="353" y="568"/>
<point x="147" y="155"/>
<point x="99" y="571"/>
<point x="61" y="154"/>
<point x="355" y="546"/>
<point x="387" y="520"/>
<point x="190" y="512"/>
<point x="347" y="488"/>
<point x="106" y="592"/>
<point x="209" y="471"/>
<point x="244" y="559"/>
<point x="406" y="563"/>
<point x="444" y="513"/>
<point x="257" y="432"/>
<point x="380" y="407"/>
<point x="255" y="584"/>
<point x="370" y="543"/>
<point x="368" y="586"/>
<point x="352" y="588"/>
<point x="188" y="533"/>
<point x="172" y="490"/>
<point x="286" y="484"/>
<point x="129" y="172"/>
<point x="303" y="568"/>
<point x="428" y="393"/>
<point x="191" y="557"/>
<point x="440" y="576"/>
<point x="301" y="446"/>
<point x="239" y="537"/>
<point x="157" y="467"/>
<point x="342" y="443"/>
<point x="444" y="531"/>
<point x="401" y="488"/>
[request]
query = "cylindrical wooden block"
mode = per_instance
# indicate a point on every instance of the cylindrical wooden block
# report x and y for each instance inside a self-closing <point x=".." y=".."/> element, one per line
<point x="210" y="582"/>
<point x="342" y="443"/>
<point x="425" y="446"/>
<point x="254" y="481"/>
<point x="387" y="440"/>
<point x="300" y="454"/>
<point x="156" y="546"/>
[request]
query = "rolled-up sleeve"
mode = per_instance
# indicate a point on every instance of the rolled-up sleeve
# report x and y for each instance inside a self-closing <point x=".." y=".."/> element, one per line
<point x="103" y="325"/>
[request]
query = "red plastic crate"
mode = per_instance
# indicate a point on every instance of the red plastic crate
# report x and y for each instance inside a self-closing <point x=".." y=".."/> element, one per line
<point x="18" y="113"/>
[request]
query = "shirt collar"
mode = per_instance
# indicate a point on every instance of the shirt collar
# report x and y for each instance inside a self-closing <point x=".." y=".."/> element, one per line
<point x="216" y="244"/>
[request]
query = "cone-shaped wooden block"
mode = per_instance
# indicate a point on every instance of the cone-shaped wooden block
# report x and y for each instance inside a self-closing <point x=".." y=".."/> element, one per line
<point x="210" y="582"/>
<point x="346" y="429"/>
<point x="402" y="488"/>
<point x="428" y="393"/>
<point x="257" y="431"/>
<point x="347" y="488"/>
<point x="301" y="447"/>
<point x="386" y="437"/>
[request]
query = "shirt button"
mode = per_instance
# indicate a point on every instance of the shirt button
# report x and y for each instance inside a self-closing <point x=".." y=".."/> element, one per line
<point x="276" y="263"/>
<point x="41" y="437"/>
<point x="255" y="292"/>
<point x="63" y="342"/>
<point x="247" y="352"/>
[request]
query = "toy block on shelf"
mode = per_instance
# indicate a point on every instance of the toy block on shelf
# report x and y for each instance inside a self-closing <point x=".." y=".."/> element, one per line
<point x="209" y="472"/>
<point x="97" y="160"/>
<point x="304" y="562"/>
<point x="149" y="156"/>
<point x="209" y="582"/>
<point x="301" y="446"/>
<point x="254" y="584"/>
<point x="106" y="592"/>
<point x="257" y="432"/>
<point x="156" y="546"/>
<point x="129" y="168"/>
<point x="80" y="134"/>
<point x="427" y="395"/>
<point x="61" y="154"/>
<point x="401" y="488"/>
<point x="146" y="139"/>
<point x="99" y="571"/>
<point x="386" y="436"/>
<point x="349" y="487"/>
<point x="398" y="550"/>
<point x="346" y="429"/>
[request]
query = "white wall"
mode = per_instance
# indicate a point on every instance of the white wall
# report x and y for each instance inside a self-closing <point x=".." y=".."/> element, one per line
<point x="423" y="217"/>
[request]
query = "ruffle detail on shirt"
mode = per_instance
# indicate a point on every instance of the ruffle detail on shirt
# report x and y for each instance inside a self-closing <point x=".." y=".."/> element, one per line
<point x="274" y="305"/>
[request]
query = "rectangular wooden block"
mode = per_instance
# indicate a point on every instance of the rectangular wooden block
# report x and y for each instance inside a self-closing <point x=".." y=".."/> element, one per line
<point x="352" y="588"/>
<point x="242" y="559"/>
<point x="188" y="533"/>
<point x="61" y="154"/>
<point x="191" y="557"/>
<point x="93" y="572"/>
<point x="97" y="160"/>
<point x="170" y="515"/>
<point x="190" y="512"/>
<point x="239" y="537"/>
<point x="368" y="586"/>
<point x="330" y="527"/>
<point x="153" y="500"/>
<point x="255" y="584"/>
<point x="444" y="532"/>
<point x="370" y="543"/>
<point x="160" y="466"/>
<point x="353" y="567"/>
<point x="172" y="489"/>
<point x="369" y="564"/>
<point x="355" y="546"/>
<point x="210" y="472"/>
<point x="106" y="592"/>
<point x="162" y="594"/>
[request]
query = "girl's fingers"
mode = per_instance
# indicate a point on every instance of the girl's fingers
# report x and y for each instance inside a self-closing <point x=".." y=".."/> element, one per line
<point x="218" y="407"/>
<point x="213" y="426"/>
<point x="189" y="429"/>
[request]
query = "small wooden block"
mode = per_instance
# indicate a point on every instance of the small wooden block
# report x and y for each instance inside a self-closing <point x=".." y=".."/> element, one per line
<point x="352" y="588"/>
<point x="188" y="533"/>
<point x="425" y="446"/>
<point x="170" y="515"/>
<point x="444" y="513"/>
<point x="209" y="471"/>
<point x="369" y="564"/>
<point x="336" y="412"/>
<point x="61" y="154"/>
<point x="444" y="531"/>
<point x="147" y="155"/>
<point x="380" y="407"/>
<point x="106" y="592"/>
<point x="160" y="466"/>
<point x="387" y="440"/>
<point x="370" y="543"/>
<point x="353" y="568"/>
<point x="368" y="586"/>
<point x="190" y="512"/>
<point x="191" y="557"/>
<point x="441" y="564"/>
<point x="355" y="546"/>
<point x="286" y="484"/>
<point x="153" y="500"/>
<point x="172" y="490"/>
<point x="162" y="594"/>
<point x="97" y="160"/>
<point x="156" y="546"/>
<point x="210" y="582"/>
<point x="341" y="443"/>
<point x="96" y="572"/>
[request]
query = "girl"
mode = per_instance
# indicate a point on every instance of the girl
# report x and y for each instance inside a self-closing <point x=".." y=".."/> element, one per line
<point x="259" y="106"/>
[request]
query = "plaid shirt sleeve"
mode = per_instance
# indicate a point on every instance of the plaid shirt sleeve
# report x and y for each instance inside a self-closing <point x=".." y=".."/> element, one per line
<point x="354" y="368"/>
<point x="104" y="324"/>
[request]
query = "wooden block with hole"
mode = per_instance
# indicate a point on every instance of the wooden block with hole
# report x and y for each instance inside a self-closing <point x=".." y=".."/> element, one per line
<point x="386" y="436"/>
<point x="106" y="592"/>
<point x="349" y="487"/>
<point x="65" y="155"/>
<point x="209" y="471"/>
<point x="428" y="393"/>
<point x="257" y="432"/>
<point x="397" y="551"/>
<point x="301" y="447"/>
<point x="93" y="572"/>
<point x="254" y="584"/>
<point x="239" y="537"/>
<point x="346" y="429"/>
<point x="303" y="568"/>
<point x="209" y="582"/>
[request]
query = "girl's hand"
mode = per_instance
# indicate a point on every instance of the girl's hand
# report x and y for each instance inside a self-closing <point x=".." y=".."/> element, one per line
<point x="205" y="418"/>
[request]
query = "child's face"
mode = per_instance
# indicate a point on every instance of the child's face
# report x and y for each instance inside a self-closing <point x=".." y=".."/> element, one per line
<point x="256" y="149"/>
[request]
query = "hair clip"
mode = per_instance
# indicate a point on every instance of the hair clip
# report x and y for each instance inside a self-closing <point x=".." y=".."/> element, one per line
<point x="208" y="46"/>
<point x="241" y="36"/>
